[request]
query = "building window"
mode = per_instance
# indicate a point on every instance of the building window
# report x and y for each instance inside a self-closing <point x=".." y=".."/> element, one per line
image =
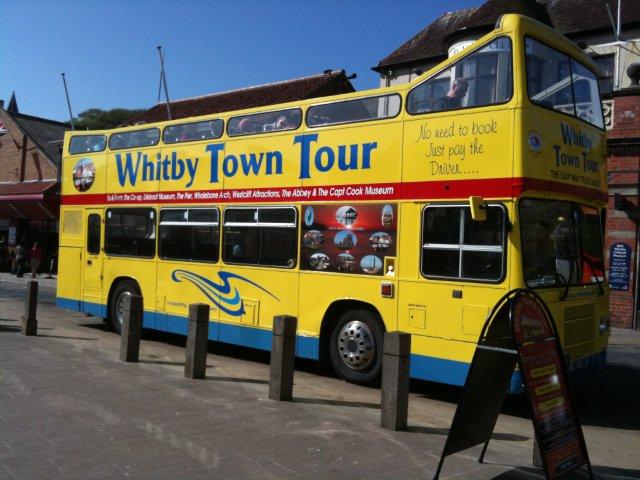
<point x="606" y="67"/>
<point x="131" y="232"/>
<point x="260" y="236"/>
<point x="455" y="246"/>
<point x="189" y="234"/>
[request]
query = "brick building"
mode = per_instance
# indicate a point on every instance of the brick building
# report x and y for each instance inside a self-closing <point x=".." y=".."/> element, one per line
<point x="587" y="23"/>
<point x="623" y="219"/>
<point x="29" y="183"/>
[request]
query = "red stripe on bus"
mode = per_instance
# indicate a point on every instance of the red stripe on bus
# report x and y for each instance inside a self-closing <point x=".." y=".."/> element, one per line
<point x="441" y="189"/>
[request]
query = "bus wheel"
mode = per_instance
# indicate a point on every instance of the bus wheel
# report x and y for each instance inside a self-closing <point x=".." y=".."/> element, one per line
<point x="116" y="308"/>
<point x="355" y="348"/>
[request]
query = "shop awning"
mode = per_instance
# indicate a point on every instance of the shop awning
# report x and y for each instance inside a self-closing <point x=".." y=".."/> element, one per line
<point x="30" y="200"/>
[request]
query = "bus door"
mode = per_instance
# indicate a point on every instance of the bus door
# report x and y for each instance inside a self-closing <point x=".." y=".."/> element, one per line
<point x="93" y="256"/>
<point x="461" y="274"/>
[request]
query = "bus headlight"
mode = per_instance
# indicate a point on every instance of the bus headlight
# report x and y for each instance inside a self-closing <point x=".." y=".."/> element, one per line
<point x="605" y="323"/>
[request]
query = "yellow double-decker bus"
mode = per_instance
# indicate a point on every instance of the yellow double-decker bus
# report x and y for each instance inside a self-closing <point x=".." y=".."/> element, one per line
<point x="414" y="208"/>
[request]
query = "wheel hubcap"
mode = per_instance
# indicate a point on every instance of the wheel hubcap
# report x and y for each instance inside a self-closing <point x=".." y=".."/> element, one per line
<point x="120" y="307"/>
<point x="356" y="345"/>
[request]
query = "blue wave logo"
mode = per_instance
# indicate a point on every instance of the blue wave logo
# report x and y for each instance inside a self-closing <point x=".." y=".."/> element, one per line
<point x="223" y="295"/>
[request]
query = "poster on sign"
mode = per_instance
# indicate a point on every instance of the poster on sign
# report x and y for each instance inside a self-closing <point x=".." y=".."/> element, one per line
<point x="542" y="367"/>
<point x="619" y="266"/>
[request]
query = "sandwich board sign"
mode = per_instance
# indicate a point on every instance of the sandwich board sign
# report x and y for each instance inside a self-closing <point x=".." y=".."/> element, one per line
<point x="520" y="331"/>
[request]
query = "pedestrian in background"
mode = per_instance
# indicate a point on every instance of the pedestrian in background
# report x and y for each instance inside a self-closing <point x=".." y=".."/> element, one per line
<point x="35" y="258"/>
<point x="20" y="253"/>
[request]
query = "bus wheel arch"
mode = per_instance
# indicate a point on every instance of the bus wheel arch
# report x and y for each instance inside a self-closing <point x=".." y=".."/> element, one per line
<point x="351" y="341"/>
<point x="119" y="287"/>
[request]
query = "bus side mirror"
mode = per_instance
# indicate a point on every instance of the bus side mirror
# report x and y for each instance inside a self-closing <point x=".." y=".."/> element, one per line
<point x="478" y="209"/>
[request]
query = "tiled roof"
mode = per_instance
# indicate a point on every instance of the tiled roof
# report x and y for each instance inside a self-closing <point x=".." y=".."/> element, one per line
<point x="570" y="17"/>
<point x="26" y="188"/>
<point x="47" y="134"/>
<point x="331" y="82"/>
<point x="429" y="42"/>
<point x="575" y="16"/>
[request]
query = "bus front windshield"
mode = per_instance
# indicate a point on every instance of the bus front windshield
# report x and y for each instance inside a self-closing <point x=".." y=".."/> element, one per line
<point x="561" y="243"/>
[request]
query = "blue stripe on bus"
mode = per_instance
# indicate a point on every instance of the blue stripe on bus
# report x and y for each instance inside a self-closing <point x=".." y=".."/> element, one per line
<point x="423" y="367"/>
<point x="451" y="372"/>
<point x="306" y="347"/>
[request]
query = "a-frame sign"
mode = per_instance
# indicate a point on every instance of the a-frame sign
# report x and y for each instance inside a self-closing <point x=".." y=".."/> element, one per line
<point x="520" y="330"/>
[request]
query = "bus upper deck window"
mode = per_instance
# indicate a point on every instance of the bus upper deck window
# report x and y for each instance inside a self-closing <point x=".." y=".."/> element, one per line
<point x="87" y="143"/>
<point x="483" y="77"/>
<point x="188" y="132"/>
<point x="280" y="120"/>
<point x="352" y="111"/>
<point x="135" y="139"/>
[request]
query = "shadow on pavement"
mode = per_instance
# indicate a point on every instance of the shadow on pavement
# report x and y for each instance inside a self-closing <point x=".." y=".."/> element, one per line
<point x="338" y="403"/>
<point x="70" y="338"/>
<point x="510" y="437"/>
<point x="237" y="380"/>
<point x="599" y="473"/>
<point x="163" y="362"/>
<point x="9" y="328"/>
<point x="611" y="399"/>
<point x="608" y="398"/>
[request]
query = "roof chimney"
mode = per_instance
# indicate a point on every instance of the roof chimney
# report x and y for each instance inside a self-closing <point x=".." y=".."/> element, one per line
<point x="1" y="104"/>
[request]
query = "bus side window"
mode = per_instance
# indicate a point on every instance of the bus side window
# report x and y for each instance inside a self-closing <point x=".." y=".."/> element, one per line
<point x="260" y="236"/>
<point x="455" y="246"/>
<point x="130" y="232"/>
<point x="189" y="234"/>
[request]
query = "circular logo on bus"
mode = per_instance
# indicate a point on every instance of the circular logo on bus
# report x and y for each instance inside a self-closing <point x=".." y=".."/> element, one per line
<point x="84" y="173"/>
<point x="535" y="142"/>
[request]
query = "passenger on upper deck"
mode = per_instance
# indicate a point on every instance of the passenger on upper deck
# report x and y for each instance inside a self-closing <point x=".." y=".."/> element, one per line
<point x="453" y="99"/>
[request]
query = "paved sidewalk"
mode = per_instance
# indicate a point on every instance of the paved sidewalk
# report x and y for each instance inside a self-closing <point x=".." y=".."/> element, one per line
<point x="69" y="409"/>
<point x="43" y="279"/>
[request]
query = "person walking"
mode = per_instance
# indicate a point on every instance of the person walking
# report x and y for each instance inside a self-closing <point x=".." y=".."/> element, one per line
<point x="35" y="258"/>
<point x="20" y="253"/>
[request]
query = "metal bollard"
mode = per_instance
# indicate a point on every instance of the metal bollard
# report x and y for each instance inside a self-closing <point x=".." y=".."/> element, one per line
<point x="195" y="365"/>
<point x="131" y="329"/>
<point x="395" y="380"/>
<point x="283" y="354"/>
<point x="29" y="322"/>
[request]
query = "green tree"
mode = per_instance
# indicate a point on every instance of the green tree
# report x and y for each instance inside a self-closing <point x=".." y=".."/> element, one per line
<point x="97" y="119"/>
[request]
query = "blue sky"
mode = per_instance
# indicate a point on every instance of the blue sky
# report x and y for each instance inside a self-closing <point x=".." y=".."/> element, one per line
<point x="108" y="48"/>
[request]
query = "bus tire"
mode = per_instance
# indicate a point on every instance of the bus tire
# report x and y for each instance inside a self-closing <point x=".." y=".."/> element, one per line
<point x="116" y="305"/>
<point x="355" y="347"/>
